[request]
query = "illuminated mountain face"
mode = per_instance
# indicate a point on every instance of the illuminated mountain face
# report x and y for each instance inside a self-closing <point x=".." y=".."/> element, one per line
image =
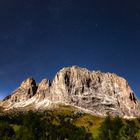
<point x="96" y="92"/>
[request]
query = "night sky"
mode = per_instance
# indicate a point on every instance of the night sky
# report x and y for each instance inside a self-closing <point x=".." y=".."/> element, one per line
<point x="39" y="37"/>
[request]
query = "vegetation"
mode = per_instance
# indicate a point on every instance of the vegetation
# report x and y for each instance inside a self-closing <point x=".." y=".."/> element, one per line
<point x="118" y="129"/>
<point x="66" y="125"/>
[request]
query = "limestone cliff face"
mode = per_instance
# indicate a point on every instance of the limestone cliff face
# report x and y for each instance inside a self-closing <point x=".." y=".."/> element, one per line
<point x="26" y="91"/>
<point x="100" y="93"/>
<point x="43" y="90"/>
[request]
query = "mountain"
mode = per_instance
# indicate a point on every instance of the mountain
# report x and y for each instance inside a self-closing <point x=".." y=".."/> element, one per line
<point x="92" y="91"/>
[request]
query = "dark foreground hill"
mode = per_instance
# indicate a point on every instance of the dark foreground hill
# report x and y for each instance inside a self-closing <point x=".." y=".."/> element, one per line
<point x="64" y="123"/>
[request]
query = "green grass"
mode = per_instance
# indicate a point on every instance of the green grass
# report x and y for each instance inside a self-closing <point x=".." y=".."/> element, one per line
<point x="78" y="118"/>
<point x="91" y="123"/>
<point x="15" y="127"/>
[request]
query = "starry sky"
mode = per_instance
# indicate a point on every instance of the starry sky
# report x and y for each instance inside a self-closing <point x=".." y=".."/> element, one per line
<point x="39" y="37"/>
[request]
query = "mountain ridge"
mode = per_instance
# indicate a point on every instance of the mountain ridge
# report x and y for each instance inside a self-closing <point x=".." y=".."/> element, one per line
<point x="99" y="92"/>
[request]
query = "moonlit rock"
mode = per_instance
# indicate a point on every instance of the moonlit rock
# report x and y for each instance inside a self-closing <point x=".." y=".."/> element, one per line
<point x="96" y="92"/>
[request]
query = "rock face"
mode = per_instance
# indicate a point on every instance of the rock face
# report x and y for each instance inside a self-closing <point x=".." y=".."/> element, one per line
<point x="43" y="89"/>
<point x="97" y="92"/>
<point x="26" y="91"/>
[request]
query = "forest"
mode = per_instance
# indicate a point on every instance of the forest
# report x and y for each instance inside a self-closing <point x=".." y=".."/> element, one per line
<point x="55" y="125"/>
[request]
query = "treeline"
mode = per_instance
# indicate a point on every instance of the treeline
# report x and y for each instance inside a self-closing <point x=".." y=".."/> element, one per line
<point x="118" y="129"/>
<point x="40" y="126"/>
<point x="50" y="126"/>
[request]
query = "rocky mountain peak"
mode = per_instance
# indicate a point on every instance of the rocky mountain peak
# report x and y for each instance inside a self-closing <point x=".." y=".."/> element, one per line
<point x="26" y="91"/>
<point x="43" y="89"/>
<point x="29" y="82"/>
<point x="94" y="91"/>
<point x="99" y="92"/>
<point x="44" y="84"/>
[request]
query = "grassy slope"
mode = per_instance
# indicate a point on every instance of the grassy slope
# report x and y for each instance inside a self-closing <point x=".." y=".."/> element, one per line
<point x="90" y="122"/>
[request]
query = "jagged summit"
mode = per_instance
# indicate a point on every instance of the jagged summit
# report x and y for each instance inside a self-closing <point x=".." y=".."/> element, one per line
<point x="43" y="89"/>
<point x="28" y="83"/>
<point x="94" y="91"/>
